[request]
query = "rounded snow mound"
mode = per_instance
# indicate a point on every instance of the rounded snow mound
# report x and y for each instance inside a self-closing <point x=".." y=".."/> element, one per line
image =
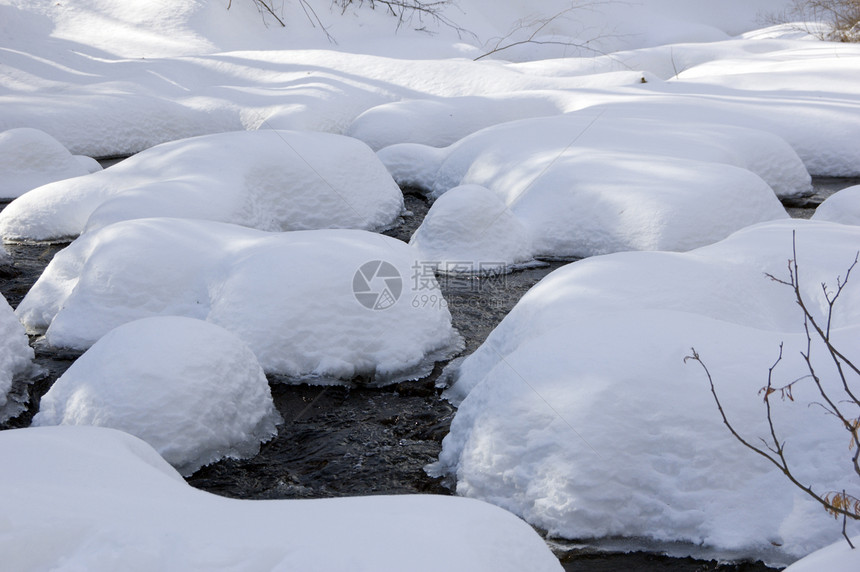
<point x="472" y="226"/>
<point x="583" y="185"/>
<point x="842" y="207"/>
<point x="189" y="388"/>
<point x="441" y="122"/>
<point x="97" y="499"/>
<point x="838" y="556"/>
<point x="319" y="306"/>
<point x="16" y="359"/>
<point x="534" y="143"/>
<point x="30" y="158"/>
<point x="270" y="180"/>
<point x="580" y="414"/>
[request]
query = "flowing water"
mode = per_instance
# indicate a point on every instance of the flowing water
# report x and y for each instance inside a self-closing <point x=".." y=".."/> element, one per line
<point x="339" y="441"/>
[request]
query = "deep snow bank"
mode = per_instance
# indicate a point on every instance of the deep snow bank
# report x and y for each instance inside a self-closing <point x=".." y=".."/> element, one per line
<point x="189" y="388"/>
<point x="101" y="500"/>
<point x="304" y="301"/>
<point x="580" y="415"/>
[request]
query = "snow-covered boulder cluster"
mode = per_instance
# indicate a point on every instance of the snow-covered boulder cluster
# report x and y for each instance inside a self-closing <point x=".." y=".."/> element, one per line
<point x="580" y="414"/>
<point x="584" y="184"/>
<point x="271" y="180"/>
<point x="292" y="297"/>
<point x="189" y="388"/>
<point x="30" y="158"/>
<point x="97" y="499"/>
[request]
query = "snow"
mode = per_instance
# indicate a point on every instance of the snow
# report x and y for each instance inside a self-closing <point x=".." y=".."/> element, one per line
<point x="842" y="206"/>
<point x="648" y="125"/>
<point x="30" y="158"/>
<point x="579" y="413"/>
<point x="480" y="157"/>
<point x="802" y="91"/>
<point x="90" y="498"/>
<point x="443" y="121"/>
<point x="270" y="180"/>
<point x="189" y="388"/>
<point x="138" y="75"/>
<point x="838" y="557"/>
<point x="582" y="184"/>
<point x="291" y="297"/>
<point x="471" y="224"/>
<point x="16" y="359"/>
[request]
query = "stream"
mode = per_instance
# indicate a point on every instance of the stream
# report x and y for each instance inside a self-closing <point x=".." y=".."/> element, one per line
<point x="340" y="441"/>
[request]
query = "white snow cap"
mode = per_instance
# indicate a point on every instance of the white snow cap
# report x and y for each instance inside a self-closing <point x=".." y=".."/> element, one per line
<point x="582" y="184"/>
<point x="16" y="359"/>
<point x="271" y="180"/>
<point x="189" y="388"/>
<point x="842" y="206"/>
<point x="101" y="500"/>
<point x="472" y="226"/>
<point x="301" y="300"/>
<point x="30" y="158"/>
<point x="581" y="415"/>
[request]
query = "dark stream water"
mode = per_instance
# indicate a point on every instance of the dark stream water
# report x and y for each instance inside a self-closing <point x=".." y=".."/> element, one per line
<point x="339" y="441"/>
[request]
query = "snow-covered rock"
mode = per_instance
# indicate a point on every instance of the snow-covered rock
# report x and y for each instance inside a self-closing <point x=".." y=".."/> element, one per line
<point x="96" y="499"/>
<point x="30" y="158"/>
<point x="842" y="206"/>
<point x="472" y="226"/>
<point x="16" y="357"/>
<point x="532" y="145"/>
<point x="301" y="300"/>
<point x="583" y="185"/>
<point x="189" y="388"/>
<point x="579" y="412"/>
<point x="271" y="180"/>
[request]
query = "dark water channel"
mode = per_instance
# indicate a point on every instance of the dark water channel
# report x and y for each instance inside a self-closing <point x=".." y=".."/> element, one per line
<point x="339" y="441"/>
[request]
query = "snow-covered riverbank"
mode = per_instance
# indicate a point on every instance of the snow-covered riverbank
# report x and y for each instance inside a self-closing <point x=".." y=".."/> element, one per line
<point x="616" y="128"/>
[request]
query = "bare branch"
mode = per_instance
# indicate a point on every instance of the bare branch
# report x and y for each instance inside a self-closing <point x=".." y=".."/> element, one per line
<point x="538" y="25"/>
<point x="839" y="504"/>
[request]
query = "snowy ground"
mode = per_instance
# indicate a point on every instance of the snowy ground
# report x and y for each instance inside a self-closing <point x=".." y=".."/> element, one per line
<point x="579" y="130"/>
